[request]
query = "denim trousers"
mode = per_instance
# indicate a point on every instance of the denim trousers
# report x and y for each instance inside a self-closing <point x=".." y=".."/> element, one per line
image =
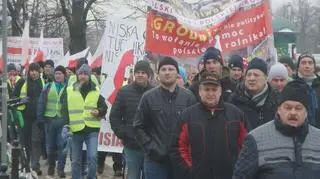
<point x="55" y="143"/>
<point x="153" y="170"/>
<point x="134" y="163"/>
<point x="91" y="141"/>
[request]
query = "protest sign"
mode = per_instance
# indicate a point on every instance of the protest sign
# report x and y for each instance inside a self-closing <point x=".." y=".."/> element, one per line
<point x="124" y="45"/>
<point x="52" y="49"/>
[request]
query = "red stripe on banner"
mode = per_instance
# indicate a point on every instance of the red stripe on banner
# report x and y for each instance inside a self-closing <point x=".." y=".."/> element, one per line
<point x="17" y="51"/>
<point x="97" y="62"/>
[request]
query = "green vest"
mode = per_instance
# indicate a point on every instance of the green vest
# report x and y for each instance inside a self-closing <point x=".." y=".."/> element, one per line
<point x="23" y="93"/>
<point x="72" y="79"/>
<point x="80" y="110"/>
<point x="53" y="106"/>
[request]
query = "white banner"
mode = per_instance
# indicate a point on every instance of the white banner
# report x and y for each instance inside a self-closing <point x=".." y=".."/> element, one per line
<point x="51" y="47"/>
<point x="189" y="13"/>
<point x="124" y="46"/>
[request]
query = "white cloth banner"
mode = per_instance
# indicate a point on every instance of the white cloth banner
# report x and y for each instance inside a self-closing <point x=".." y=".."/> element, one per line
<point x="124" y="45"/>
<point x="51" y="47"/>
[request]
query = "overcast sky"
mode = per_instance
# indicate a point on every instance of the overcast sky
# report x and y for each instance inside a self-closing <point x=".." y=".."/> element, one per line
<point x="277" y="3"/>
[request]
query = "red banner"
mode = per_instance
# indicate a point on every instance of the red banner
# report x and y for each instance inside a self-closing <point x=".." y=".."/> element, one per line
<point x="244" y="28"/>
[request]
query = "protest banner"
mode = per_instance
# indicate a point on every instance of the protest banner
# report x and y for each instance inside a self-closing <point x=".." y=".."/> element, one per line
<point x="52" y="48"/>
<point x="123" y="46"/>
<point x="243" y="24"/>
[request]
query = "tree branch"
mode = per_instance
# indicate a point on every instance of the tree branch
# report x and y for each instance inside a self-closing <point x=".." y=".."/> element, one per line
<point x="87" y="8"/>
<point x="66" y="12"/>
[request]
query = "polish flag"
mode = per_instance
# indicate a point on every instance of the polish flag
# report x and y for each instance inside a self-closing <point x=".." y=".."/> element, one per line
<point x="25" y="45"/>
<point x="39" y="56"/>
<point x="98" y="55"/>
<point x="72" y="61"/>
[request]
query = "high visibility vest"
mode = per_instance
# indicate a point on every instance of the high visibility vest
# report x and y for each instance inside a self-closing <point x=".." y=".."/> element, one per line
<point x="23" y="93"/>
<point x="9" y="82"/>
<point x="80" y="109"/>
<point x="53" y="106"/>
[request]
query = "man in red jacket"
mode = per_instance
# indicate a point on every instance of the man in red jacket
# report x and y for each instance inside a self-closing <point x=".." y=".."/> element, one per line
<point x="211" y="135"/>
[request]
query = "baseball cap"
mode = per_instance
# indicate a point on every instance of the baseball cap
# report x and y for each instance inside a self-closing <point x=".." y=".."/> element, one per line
<point x="210" y="78"/>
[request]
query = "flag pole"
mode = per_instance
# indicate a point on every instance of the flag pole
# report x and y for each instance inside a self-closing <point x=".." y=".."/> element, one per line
<point x="4" y="85"/>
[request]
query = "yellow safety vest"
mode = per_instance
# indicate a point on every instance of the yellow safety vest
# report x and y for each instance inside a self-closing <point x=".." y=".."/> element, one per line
<point x="80" y="110"/>
<point x="53" y="105"/>
<point x="23" y="93"/>
<point x="9" y="82"/>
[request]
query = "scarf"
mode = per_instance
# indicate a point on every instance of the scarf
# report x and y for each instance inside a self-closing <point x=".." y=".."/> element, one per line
<point x="308" y="80"/>
<point x="260" y="98"/>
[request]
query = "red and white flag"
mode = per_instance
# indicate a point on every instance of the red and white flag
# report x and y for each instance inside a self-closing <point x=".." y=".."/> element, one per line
<point x="39" y="55"/>
<point x="97" y="57"/>
<point x="25" y="45"/>
<point x="72" y="61"/>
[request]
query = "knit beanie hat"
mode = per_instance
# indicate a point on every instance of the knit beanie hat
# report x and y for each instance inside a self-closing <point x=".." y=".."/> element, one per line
<point x="235" y="61"/>
<point x="34" y="67"/>
<point x="144" y="66"/>
<point x="168" y="61"/>
<point x="11" y="66"/>
<point x="61" y="69"/>
<point x="212" y="53"/>
<point x="296" y="90"/>
<point x="257" y="63"/>
<point x="276" y="70"/>
<point x="49" y="62"/>
<point x="183" y="74"/>
<point x="287" y="60"/>
<point x="304" y="56"/>
<point x="84" y="69"/>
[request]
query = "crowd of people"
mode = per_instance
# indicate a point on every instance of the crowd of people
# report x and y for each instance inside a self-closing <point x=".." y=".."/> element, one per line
<point x="220" y="120"/>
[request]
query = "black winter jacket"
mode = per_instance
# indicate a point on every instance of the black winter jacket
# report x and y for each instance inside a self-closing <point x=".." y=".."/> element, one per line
<point x="228" y="87"/>
<point x="273" y="151"/>
<point x="208" y="143"/>
<point x="123" y="111"/>
<point x="34" y="88"/>
<point x="156" y="120"/>
<point x="256" y="115"/>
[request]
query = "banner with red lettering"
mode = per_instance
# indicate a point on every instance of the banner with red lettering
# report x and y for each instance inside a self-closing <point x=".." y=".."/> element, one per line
<point x="241" y="24"/>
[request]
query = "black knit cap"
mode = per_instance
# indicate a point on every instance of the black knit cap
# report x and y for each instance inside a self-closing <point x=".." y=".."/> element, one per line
<point x="287" y="60"/>
<point x="168" y="61"/>
<point x="212" y="53"/>
<point x="11" y="66"/>
<point x="144" y="66"/>
<point x="305" y="55"/>
<point x="61" y="69"/>
<point x="257" y="63"/>
<point x="296" y="90"/>
<point x="49" y="62"/>
<point x="34" y="67"/>
<point x="236" y="61"/>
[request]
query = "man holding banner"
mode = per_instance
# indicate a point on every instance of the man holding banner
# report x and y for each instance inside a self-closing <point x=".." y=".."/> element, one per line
<point x="122" y="115"/>
<point x="156" y="120"/>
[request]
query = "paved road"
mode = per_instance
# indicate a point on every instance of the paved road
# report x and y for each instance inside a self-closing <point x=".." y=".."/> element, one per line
<point x="107" y="174"/>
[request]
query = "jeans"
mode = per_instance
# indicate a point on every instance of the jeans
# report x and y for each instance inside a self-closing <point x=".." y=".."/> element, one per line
<point x="55" y="143"/>
<point x="153" y="170"/>
<point x="134" y="163"/>
<point x="91" y="140"/>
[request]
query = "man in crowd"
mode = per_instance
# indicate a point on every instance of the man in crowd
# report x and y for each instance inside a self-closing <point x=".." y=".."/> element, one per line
<point x="48" y="66"/>
<point x="213" y="62"/>
<point x="213" y="154"/>
<point x="288" y="63"/>
<point x="122" y="116"/>
<point x="13" y="77"/>
<point x="306" y="72"/>
<point x="286" y="147"/>
<point x="229" y="83"/>
<point x="156" y="120"/>
<point x="182" y="77"/>
<point x="278" y="77"/>
<point x="31" y="87"/>
<point x="48" y="112"/>
<point x="255" y="97"/>
<point x="83" y="107"/>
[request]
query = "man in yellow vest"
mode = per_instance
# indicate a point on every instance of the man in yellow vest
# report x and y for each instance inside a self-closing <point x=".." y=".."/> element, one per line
<point x="82" y="108"/>
<point x="31" y="87"/>
<point x="48" y="111"/>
